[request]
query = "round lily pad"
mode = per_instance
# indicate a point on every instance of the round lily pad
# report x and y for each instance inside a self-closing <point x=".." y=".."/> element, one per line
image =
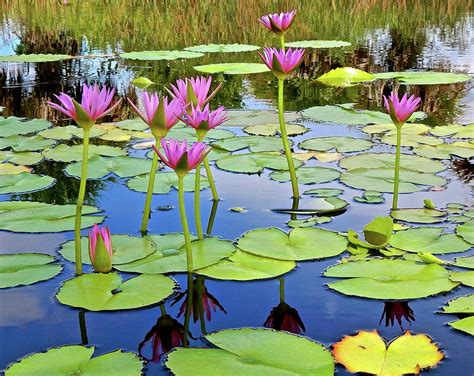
<point x="165" y="181"/>
<point x="13" y="125"/>
<point x="299" y="244"/>
<point x="20" y="269"/>
<point x="464" y="262"/>
<point x="25" y="158"/>
<point x="466" y="231"/>
<point x="419" y="215"/>
<point x="308" y="222"/>
<point x="24" y="143"/>
<point x="454" y="131"/>
<point x="32" y="217"/>
<point x="323" y="192"/>
<point x="249" y="351"/>
<point x="346" y="76"/>
<point x="233" y="68"/>
<point x="25" y="182"/>
<point x="252" y="163"/>
<point x="34" y="58"/>
<point x="160" y="55"/>
<point x="108" y="292"/>
<point x="308" y="175"/>
<point x="466" y="278"/>
<point x="173" y="258"/>
<point x="318" y="44"/>
<point x="461" y="304"/>
<point x="340" y="144"/>
<point x="444" y="151"/>
<point x="391" y="129"/>
<point x="65" y="153"/>
<point x="465" y="325"/>
<point x="389" y="279"/>
<point x="411" y="140"/>
<point x="136" y="124"/>
<point x="125" y="248"/>
<point x="254" y="143"/>
<point x="69" y="131"/>
<point x="319" y="205"/>
<point x="428" y="239"/>
<point x="211" y="48"/>
<point x="270" y="129"/>
<point x="76" y="360"/>
<point x="11" y="169"/>
<point x="244" y="118"/>
<point x="425" y="78"/>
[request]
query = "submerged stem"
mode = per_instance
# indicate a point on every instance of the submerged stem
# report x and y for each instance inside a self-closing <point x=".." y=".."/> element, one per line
<point x="397" y="169"/>
<point x="149" y="191"/>
<point x="189" y="306"/>
<point x="282" y="290"/>
<point x="212" y="217"/>
<point x="197" y="202"/>
<point x="210" y="178"/>
<point x="184" y="222"/>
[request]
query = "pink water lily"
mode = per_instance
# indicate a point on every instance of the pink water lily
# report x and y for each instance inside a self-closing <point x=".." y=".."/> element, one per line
<point x="160" y="114"/>
<point x="181" y="158"/>
<point x="194" y="90"/>
<point x="95" y="104"/>
<point x="282" y="62"/>
<point x="100" y="249"/>
<point x="204" y="119"/>
<point x="278" y="23"/>
<point x="400" y="110"/>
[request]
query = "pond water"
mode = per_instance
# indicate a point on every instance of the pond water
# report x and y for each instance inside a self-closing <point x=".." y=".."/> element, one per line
<point x="385" y="36"/>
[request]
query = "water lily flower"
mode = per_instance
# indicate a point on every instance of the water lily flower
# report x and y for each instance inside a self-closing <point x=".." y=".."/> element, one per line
<point x="194" y="90"/>
<point x="95" y="104"/>
<point x="397" y="311"/>
<point x="202" y="120"/>
<point x="181" y="158"/>
<point x="400" y="110"/>
<point x="100" y="249"/>
<point x="278" y="23"/>
<point x="282" y="62"/>
<point x="284" y="317"/>
<point x="160" y="114"/>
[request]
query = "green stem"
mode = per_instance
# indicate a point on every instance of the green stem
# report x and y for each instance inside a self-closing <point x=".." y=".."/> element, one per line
<point x="210" y="178"/>
<point x="286" y="144"/>
<point x="197" y="202"/>
<point x="80" y="201"/>
<point x="212" y="217"/>
<point x="397" y="169"/>
<point x="282" y="290"/>
<point x="282" y="40"/>
<point x="162" y="309"/>
<point x="83" y="327"/>
<point x="187" y="313"/>
<point x="149" y="191"/>
<point x="184" y="222"/>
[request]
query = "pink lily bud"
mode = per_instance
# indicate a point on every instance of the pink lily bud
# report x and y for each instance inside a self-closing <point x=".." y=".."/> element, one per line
<point x="204" y="119"/>
<point x="160" y="114"/>
<point x="284" y="317"/>
<point x="180" y="157"/>
<point x="282" y="62"/>
<point x="401" y="110"/>
<point x="94" y="105"/>
<point x="278" y="23"/>
<point x="194" y="91"/>
<point x="100" y="249"/>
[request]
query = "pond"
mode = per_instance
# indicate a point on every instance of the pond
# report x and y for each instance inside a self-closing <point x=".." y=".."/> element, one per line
<point x="322" y="281"/>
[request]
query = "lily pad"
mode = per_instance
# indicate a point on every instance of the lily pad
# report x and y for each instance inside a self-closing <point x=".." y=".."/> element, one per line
<point x="347" y="76"/>
<point x="464" y="262"/>
<point x="20" y="269"/>
<point x="69" y="131"/>
<point x="172" y="259"/>
<point x="319" y="205"/>
<point x="466" y="231"/>
<point x="243" y="266"/>
<point x="34" y="58"/>
<point x="324" y="192"/>
<point x="212" y="48"/>
<point x="249" y="351"/>
<point x="233" y="68"/>
<point x="308" y="222"/>
<point x="13" y="126"/>
<point x="391" y="129"/>
<point x="318" y="44"/>
<point x="308" y="175"/>
<point x="340" y="144"/>
<point x="24" y="143"/>
<point x="444" y="151"/>
<point x="299" y="244"/>
<point x="425" y="78"/>
<point x="466" y="278"/>
<point x="24" y="182"/>
<point x="125" y="248"/>
<point x="461" y="304"/>
<point x="25" y="158"/>
<point x="11" y="169"/>
<point x="142" y="82"/>
<point x="244" y="118"/>
<point x="428" y="239"/>
<point x="419" y="215"/>
<point x="411" y="140"/>
<point x="136" y="124"/>
<point x="389" y="279"/>
<point x="272" y="129"/>
<point x="254" y="143"/>
<point x="32" y="217"/>
<point x="454" y="131"/>
<point x="465" y="325"/>
<point x="369" y="199"/>
<point x="65" y="153"/>
<point x="164" y="182"/>
<point x="254" y="162"/>
<point x="323" y="157"/>
<point x="160" y="55"/>
<point x="368" y="353"/>
<point x="377" y="234"/>
<point x="108" y="292"/>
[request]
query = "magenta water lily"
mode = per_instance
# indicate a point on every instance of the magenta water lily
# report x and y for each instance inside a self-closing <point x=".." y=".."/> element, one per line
<point x="278" y="22"/>
<point x="194" y="90"/>
<point x="202" y="120"/>
<point x="100" y="249"/>
<point x="282" y="61"/>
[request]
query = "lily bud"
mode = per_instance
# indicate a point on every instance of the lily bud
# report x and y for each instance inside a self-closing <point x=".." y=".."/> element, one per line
<point x="100" y="249"/>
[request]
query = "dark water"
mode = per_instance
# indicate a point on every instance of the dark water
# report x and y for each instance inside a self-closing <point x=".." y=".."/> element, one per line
<point x="386" y="36"/>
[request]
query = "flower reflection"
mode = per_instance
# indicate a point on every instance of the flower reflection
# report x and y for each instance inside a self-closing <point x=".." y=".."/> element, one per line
<point x="397" y="311"/>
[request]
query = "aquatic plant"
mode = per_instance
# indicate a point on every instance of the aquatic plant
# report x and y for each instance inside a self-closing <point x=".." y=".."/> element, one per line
<point x="95" y="104"/>
<point x="100" y="249"/>
<point x="400" y="111"/>
<point x="161" y="115"/>
<point x="278" y="23"/>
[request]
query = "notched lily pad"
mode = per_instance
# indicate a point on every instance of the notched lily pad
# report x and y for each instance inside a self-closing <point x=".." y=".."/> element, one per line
<point x="24" y="182"/>
<point x="272" y="129"/>
<point x="160" y="55"/>
<point x="165" y="181"/>
<point x="308" y="175"/>
<point x="339" y="143"/>
<point x="465" y="325"/>
<point x="233" y="68"/>
<point x="425" y="77"/>
<point x="253" y="163"/>
<point x="445" y="151"/>
<point x="13" y="126"/>
<point x="419" y="215"/>
<point x="34" y="58"/>
<point x="25" y="143"/>
<point x="466" y="231"/>
<point x="223" y="48"/>
<point x="466" y="278"/>
<point x="65" y="153"/>
<point x="461" y="304"/>
<point x="254" y="143"/>
<point x="317" y="44"/>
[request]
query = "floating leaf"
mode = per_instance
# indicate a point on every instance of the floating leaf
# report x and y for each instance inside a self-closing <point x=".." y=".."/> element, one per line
<point x="389" y="279"/>
<point x="65" y="153"/>
<point x="466" y="278"/>
<point x="464" y="262"/>
<point x="308" y="175"/>
<point x="160" y="55"/>
<point x="254" y="143"/>
<point x="454" y="131"/>
<point x="444" y="151"/>
<point x="233" y="68"/>
<point x="24" y="182"/>
<point x="25" y="158"/>
<point x="211" y="48"/>
<point x="369" y="199"/>
<point x="340" y="144"/>
<point x="252" y="163"/>
<point x="108" y="292"/>
<point x="136" y="124"/>
<point x="347" y="76"/>
<point x="272" y="129"/>
<point x="377" y="234"/>
<point x="243" y="118"/>
<point x="30" y="216"/>
<point x="23" y="143"/>
<point x="466" y="231"/>
<point x="391" y="129"/>
<point x="411" y="140"/>
<point x="465" y="325"/>
<point x="34" y="58"/>
<point x="142" y="82"/>
<point x="425" y="78"/>
<point x="320" y="156"/>
<point x="419" y="215"/>
<point x="12" y="126"/>
<point x="461" y="304"/>
<point x="308" y="222"/>
<point x="11" y="169"/>
<point x="322" y="205"/>
<point x="367" y="352"/>
<point x="238" y="209"/>
<point x="164" y="182"/>
<point x="76" y="360"/>
<point x="249" y="351"/>
<point x="323" y="192"/>
<point x="318" y="44"/>
<point x="20" y="269"/>
<point x="69" y="131"/>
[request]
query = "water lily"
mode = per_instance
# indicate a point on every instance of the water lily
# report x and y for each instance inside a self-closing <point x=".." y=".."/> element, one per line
<point x="397" y="311"/>
<point x="278" y="22"/>
<point x="194" y="90"/>
<point x="100" y="249"/>
<point x="282" y="61"/>
<point x="284" y="317"/>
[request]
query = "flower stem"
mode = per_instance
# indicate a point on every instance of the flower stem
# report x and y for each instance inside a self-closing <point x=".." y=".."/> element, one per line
<point x="397" y="169"/>
<point x="149" y="191"/>
<point x="184" y="222"/>
<point x="282" y="40"/>
<point x="212" y="217"/>
<point x="197" y="202"/>
<point x="286" y="144"/>
<point x="189" y="306"/>
<point x="83" y="327"/>
<point x="200" y="291"/>
<point x="80" y="201"/>
<point x="210" y="178"/>
<point x="282" y="290"/>
<point x="162" y="310"/>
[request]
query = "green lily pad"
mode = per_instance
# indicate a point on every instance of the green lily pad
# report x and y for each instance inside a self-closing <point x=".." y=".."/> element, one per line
<point x="24" y="143"/>
<point x="319" y="205"/>
<point x="99" y="167"/>
<point x="387" y="161"/>
<point x="245" y="118"/>
<point x="461" y="304"/>
<point x="249" y="351"/>
<point x="299" y="244"/>
<point x="108" y="292"/>
<point x="272" y="129"/>
<point x="391" y="129"/>
<point x="69" y="131"/>
<point x="32" y="217"/>
<point x="65" y="153"/>
<point x="172" y="259"/>
<point x="25" y="158"/>
<point x="24" y="182"/>
<point x="347" y="76"/>
<point x="252" y="163"/>
<point x="425" y="78"/>
<point x="34" y="58"/>
<point x="11" y="169"/>
<point x="454" y="131"/>
<point x="142" y="82"/>
<point x="381" y="179"/>
<point x="464" y="262"/>
<point x="324" y="192"/>
<point x="465" y="325"/>
<point x="340" y="144"/>
<point x="444" y="151"/>
<point x="466" y="278"/>
<point x="428" y="239"/>
<point x="466" y="231"/>
<point x="308" y="222"/>
<point x="160" y="55"/>
<point x="377" y="234"/>
<point x="125" y="248"/>
<point x="20" y="269"/>
<point x="13" y="126"/>
<point x="389" y="279"/>
<point x="369" y="199"/>
<point x="419" y="215"/>
<point x="212" y="48"/>
<point x="188" y="133"/>
<point x="317" y="44"/>
<point x="165" y="181"/>
<point x="411" y="140"/>
<point x="136" y="124"/>
<point x="308" y="175"/>
<point x="254" y="143"/>
<point x="233" y="68"/>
